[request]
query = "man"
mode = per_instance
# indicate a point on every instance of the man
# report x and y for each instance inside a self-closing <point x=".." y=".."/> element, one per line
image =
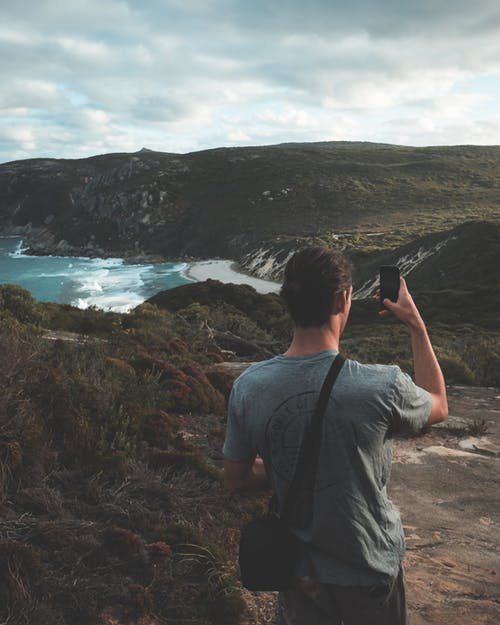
<point x="349" y="570"/>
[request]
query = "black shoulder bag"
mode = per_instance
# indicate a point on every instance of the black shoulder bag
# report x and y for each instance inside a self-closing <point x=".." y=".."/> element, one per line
<point x="268" y="548"/>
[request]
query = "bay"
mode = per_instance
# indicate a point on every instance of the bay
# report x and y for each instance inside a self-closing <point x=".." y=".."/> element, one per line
<point x="106" y="283"/>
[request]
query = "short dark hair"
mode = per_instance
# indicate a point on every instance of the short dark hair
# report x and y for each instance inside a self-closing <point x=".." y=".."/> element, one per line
<point x="313" y="276"/>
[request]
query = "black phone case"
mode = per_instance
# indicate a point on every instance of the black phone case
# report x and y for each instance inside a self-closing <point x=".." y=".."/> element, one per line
<point x="389" y="283"/>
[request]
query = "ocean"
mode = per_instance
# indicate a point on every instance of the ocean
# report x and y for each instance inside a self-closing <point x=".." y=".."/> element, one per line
<point x="106" y="283"/>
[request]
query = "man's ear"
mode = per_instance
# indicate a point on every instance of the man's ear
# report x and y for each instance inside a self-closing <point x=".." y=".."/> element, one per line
<point x="341" y="300"/>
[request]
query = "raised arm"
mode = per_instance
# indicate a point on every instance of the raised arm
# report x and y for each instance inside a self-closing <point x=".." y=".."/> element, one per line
<point x="428" y="374"/>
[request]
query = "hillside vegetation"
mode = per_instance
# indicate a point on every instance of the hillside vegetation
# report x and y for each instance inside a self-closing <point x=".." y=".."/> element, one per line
<point x="111" y="503"/>
<point x="232" y="201"/>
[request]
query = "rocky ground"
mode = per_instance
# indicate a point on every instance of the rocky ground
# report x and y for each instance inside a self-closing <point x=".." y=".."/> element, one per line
<point x="446" y="485"/>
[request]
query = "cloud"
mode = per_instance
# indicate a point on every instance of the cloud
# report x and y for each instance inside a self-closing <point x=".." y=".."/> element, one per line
<point x="176" y="74"/>
<point x="29" y="93"/>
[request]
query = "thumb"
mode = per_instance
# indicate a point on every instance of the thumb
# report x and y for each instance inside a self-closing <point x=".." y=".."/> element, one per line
<point x="389" y="308"/>
<point x="389" y="304"/>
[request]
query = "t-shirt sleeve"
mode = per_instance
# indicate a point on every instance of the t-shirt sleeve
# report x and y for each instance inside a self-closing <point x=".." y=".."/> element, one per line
<point x="411" y="405"/>
<point x="236" y="445"/>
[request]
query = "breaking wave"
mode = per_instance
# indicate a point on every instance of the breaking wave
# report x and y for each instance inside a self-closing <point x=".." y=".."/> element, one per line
<point x="106" y="283"/>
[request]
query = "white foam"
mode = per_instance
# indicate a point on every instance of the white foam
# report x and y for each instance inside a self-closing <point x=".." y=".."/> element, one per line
<point x="19" y="251"/>
<point x="119" y="302"/>
<point x="106" y="262"/>
<point x="91" y="286"/>
<point x="111" y="284"/>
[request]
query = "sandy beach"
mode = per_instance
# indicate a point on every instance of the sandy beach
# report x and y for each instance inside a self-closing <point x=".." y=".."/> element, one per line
<point x="224" y="271"/>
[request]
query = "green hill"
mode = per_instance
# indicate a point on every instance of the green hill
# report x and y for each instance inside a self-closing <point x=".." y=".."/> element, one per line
<point x="231" y="201"/>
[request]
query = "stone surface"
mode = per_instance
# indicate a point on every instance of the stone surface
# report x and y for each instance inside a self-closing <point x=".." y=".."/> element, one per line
<point x="449" y="500"/>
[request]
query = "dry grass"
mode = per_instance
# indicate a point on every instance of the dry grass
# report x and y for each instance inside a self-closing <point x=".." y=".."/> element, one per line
<point x="20" y="570"/>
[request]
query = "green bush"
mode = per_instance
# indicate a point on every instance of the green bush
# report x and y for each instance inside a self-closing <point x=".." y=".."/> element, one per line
<point x="20" y="303"/>
<point x="23" y="440"/>
<point x="483" y="356"/>
<point x="89" y="321"/>
<point x="454" y="369"/>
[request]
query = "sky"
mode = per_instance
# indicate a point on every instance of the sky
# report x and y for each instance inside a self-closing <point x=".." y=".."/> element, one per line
<point x="85" y="77"/>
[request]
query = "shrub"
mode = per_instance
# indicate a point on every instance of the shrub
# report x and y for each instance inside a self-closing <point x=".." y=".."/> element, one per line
<point x="455" y="370"/>
<point x="121" y="542"/>
<point x="40" y="500"/>
<point x="23" y="443"/>
<point x="20" y="303"/>
<point x="227" y="605"/>
<point x="159" y="428"/>
<point x="483" y="355"/>
<point x="221" y="380"/>
<point x="89" y="321"/>
<point x="117" y="431"/>
<point x="180" y="461"/>
<point x="159" y="550"/>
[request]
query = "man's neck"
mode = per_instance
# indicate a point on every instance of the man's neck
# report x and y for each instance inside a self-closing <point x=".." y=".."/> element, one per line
<point x="312" y="340"/>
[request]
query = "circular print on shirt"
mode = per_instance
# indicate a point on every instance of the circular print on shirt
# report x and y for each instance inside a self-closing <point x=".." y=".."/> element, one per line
<point x="285" y="431"/>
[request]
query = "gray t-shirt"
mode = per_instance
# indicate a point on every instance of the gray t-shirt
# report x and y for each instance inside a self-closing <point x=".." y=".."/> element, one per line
<point x="356" y="535"/>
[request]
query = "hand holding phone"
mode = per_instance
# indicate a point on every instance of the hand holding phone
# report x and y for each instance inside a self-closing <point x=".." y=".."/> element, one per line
<point x="401" y="303"/>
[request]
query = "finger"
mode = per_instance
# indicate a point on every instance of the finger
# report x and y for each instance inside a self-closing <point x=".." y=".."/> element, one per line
<point x="384" y="313"/>
<point x="389" y="304"/>
<point x="387" y="309"/>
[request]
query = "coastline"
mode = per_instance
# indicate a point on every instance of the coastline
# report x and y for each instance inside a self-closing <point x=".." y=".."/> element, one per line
<point x="194" y="270"/>
<point x="197" y="270"/>
<point x="111" y="282"/>
<point x="226" y="271"/>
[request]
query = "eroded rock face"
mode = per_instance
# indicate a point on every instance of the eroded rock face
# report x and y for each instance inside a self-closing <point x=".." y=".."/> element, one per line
<point x="97" y="206"/>
<point x="268" y="261"/>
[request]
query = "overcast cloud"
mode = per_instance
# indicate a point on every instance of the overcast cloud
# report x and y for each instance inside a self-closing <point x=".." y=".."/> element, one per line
<point x="82" y="77"/>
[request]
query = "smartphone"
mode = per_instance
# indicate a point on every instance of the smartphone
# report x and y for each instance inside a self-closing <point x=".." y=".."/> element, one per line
<point x="389" y="283"/>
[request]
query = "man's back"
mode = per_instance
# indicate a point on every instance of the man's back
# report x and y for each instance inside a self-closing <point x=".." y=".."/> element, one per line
<point x="356" y="536"/>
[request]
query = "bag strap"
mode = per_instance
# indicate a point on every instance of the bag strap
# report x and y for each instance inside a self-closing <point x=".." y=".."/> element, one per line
<point x="309" y="450"/>
<point x="324" y="396"/>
